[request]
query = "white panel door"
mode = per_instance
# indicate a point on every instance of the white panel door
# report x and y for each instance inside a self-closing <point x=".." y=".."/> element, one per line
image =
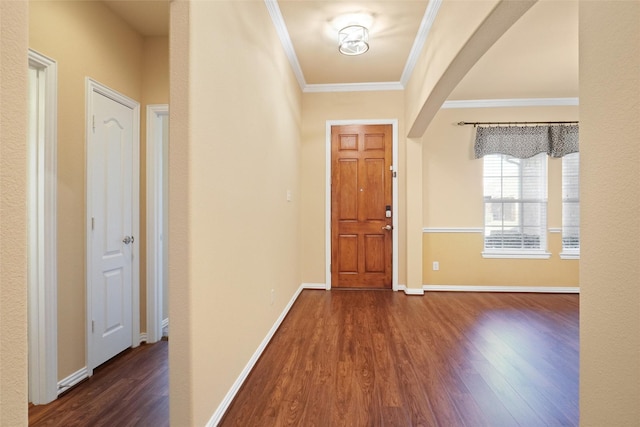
<point x="112" y="144"/>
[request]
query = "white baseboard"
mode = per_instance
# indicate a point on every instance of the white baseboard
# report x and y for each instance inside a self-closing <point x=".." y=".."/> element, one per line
<point x="530" y="289"/>
<point x="143" y="337"/>
<point x="165" y="323"/>
<point x="403" y="288"/>
<point x="410" y="291"/>
<point x="314" y="286"/>
<point x="73" y="379"/>
<point x="224" y="405"/>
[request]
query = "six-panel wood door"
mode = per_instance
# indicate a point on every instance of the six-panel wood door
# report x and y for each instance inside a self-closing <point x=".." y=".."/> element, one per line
<point x="361" y="183"/>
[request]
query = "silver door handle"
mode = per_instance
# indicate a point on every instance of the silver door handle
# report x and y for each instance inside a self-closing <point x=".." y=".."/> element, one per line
<point x="127" y="240"/>
<point x="387" y="227"/>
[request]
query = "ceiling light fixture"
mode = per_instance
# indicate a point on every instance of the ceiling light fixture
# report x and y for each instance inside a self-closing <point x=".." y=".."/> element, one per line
<point x="353" y="40"/>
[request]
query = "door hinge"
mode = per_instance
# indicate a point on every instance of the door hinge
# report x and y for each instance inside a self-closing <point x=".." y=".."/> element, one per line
<point x="93" y="223"/>
<point x="395" y="174"/>
<point x="93" y="326"/>
<point x="94" y="123"/>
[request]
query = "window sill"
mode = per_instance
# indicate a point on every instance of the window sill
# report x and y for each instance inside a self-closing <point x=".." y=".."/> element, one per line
<point x="517" y="254"/>
<point x="569" y="255"/>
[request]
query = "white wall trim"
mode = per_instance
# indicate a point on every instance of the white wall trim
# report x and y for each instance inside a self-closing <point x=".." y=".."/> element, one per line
<point x="155" y="219"/>
<point x="143" y="338"/>
<point x="43" y="253"/>
<point x="410" y="291"/>
<point x="224" y="405"/>
<point x="353" y="87"/>
<point x="73" y="379"/>
<point x="530" y="289"/>
<point x="508" y="103"/>
<point x="321" y="286"/>
<point x="395" y="207"/>
<point x="516" y="255"/>
<point x="452" y="230"/>
<point x="90" y="87"/>
<point x="285" y="39"/>
<point x="165" y="323"/>
<point x="470" y="230"/>
<point x="423" y="32"/>
<point x="569" y="255"/>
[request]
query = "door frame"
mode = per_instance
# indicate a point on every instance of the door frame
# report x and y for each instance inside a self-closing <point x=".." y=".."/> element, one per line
<point x="156" y="219"/>
<point x="42" y="240"/>
<point x="394" y="189"/>
<point x="90" y="87"/>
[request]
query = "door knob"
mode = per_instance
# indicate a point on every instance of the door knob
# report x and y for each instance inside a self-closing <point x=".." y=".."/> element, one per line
<point x="387" y="227"/>
<point x="127" y="240"/>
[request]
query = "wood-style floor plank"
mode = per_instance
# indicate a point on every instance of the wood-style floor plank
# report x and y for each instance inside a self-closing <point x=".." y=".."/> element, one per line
<point x="375" y="358"/>
<point x="372" y="358"/>
<point x="132" y="389"/>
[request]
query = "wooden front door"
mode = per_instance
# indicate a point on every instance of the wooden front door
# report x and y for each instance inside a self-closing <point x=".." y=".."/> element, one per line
<point x="361" y="206"/>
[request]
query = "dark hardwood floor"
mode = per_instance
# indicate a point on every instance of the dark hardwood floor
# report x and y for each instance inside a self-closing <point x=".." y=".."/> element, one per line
<point x="130" y="390"/>
<point x="375" y="358"/>
<point x="372" y="358"/>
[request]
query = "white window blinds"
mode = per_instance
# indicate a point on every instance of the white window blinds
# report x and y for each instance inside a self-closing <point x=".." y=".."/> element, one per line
<point x="571" y="204"/>
<point x="515" y="205"/>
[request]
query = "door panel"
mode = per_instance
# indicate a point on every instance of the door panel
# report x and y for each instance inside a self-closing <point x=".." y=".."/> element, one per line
<point x="374" y="202"/>
<point x="348" y="248"/>
<point x="361" y="189"/>
<point x="348" y="181"/>
<point x="374" y="253"/>
<point x="111" y="170"/>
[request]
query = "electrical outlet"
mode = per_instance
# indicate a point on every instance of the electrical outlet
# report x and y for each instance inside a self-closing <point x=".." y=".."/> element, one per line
<point x="436" y="266"/>
<point x="273" y="296"/>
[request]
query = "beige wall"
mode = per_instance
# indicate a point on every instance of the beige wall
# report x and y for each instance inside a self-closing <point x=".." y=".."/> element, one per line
<point x="317" y="108"/>
<point x="452" y="198"/>
<point x="13" y="213"/>
<point x="432" y="67"/>
<point x="234" y="237"/>
<point x="87" y="39"/>
<point x="441" y="48"/>
<point x="610" y="204"/>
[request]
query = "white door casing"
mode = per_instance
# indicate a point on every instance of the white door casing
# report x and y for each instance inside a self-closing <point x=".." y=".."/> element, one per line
<point x="42" y="276"/>
<point x="156" y="219"/>
<point x="113" y="323"/>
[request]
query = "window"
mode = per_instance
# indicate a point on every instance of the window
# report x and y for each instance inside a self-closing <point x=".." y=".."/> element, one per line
<point x="515" y="206"/>
<point x="570" y="206"/>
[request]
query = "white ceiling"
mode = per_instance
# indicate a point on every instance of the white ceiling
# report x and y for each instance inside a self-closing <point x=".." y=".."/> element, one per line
<point x="537" y="57"/>
<point x="313" y="28"/>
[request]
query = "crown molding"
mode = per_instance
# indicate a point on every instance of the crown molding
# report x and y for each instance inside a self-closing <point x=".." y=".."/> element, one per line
<point x="518" y="102"/>
<point x="353" y="87"/>
<point x="423" y="32"/>
<point x="285" y="39"/>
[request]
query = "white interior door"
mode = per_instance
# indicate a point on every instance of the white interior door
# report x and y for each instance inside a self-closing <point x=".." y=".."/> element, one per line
<point x="156" y="192"/>
<point x="112" y="166"/>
